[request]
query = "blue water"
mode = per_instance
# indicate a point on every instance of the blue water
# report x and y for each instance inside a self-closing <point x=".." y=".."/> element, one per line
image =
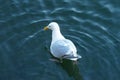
<point x="93" y="26"/>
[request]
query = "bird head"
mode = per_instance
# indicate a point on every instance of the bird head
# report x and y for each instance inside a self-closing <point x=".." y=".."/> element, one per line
<point x="52" y="26"/>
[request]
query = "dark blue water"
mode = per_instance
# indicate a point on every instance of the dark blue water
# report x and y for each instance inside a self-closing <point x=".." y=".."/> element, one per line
<point x="93" y="25"/>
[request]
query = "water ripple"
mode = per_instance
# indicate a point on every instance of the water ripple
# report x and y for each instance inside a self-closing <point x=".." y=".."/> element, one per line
<point x="92" y="25"/>
<point x="30" y="37"/>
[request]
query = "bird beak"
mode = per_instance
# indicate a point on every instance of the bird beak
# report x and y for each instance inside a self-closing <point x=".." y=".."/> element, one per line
<point x="46" y="28"/>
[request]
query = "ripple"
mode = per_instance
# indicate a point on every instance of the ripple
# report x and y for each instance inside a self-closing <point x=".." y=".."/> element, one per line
<point x="57" y="10"/>
<point x="78" y="20"/>
<point x="98" y="25"/>
<point x="30" y="37"/>
<point x="81" y="33"/>
<point x="79" y="42"/>
<point x="40" y="20"/>
<point x="107" y="5"/>
<point x="81" y="39"/>
<point x="92" y="25"/>
<point x="68" y="10"/>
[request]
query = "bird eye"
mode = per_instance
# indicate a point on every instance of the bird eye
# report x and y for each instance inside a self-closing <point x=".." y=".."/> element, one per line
<point x="49" y="26"/>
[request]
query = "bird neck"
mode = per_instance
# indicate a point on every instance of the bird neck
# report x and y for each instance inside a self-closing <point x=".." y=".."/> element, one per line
<point x="56" y="35"/>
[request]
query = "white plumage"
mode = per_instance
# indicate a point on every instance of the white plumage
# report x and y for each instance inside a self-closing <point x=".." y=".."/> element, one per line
<point x="60" y="46"/>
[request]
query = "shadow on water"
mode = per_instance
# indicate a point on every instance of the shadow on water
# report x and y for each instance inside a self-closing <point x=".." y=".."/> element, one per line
<point x="71" y="67"/>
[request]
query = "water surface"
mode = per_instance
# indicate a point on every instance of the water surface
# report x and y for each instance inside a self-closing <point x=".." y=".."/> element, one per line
<point x="94" y="27"/>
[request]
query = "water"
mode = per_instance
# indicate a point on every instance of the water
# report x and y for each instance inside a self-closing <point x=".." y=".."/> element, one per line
<point x="92" y="25"/>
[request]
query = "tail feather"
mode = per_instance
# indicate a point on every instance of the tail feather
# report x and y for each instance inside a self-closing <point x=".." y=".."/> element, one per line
<point x="71" y="68"/>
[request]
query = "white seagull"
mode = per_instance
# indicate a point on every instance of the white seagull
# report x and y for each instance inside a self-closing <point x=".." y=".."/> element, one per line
<point x="61" y="47"/>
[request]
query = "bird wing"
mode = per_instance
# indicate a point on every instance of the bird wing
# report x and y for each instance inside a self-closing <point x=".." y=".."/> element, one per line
<point x="63" y="48"/>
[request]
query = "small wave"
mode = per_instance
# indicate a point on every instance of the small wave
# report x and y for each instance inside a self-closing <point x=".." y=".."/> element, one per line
<point x="107" y="5"/>
<point x="79" y="42"/>
<point x="30" y="37"/>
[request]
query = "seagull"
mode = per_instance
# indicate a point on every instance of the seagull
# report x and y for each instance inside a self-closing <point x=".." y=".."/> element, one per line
<point x="61" y="47"/>
<point x="64" y="51"/>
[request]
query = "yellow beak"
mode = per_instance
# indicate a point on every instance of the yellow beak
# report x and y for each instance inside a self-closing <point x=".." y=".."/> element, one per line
<point x="46" y="28"/>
